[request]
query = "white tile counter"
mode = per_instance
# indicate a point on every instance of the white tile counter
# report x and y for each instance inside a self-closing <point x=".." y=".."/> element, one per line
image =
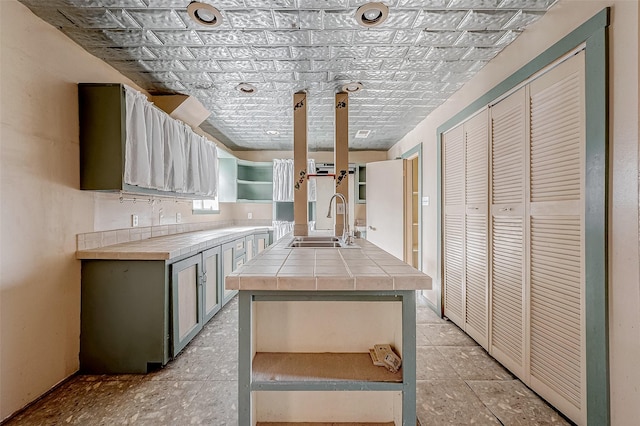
<point x="170" y="246"/>
<point x="365" y="268"/>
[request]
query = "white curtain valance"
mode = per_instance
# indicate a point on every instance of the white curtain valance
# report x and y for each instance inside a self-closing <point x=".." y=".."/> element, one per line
<point x="165" y="154"/>
<point x="283" y="180"/>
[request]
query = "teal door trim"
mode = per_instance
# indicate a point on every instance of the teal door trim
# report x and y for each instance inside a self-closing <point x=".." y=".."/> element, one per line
<point x="593" y="33"/>
<point x="409" y="154"/>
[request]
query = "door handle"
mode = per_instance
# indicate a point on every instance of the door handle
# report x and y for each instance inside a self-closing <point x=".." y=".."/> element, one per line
<point x="505" y="209"/>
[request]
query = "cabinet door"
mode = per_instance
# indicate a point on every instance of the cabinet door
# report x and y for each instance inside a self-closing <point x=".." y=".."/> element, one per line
<point x="250" y="247"/>
<point x="475" y="240"/>
<point x="508" y="166"/>
<point x="453" y="200"/>
<point x="186" y="293"/>
<point x="228" y="266"/>
<point x="262" y="242"/>
<point x="211" y="278"/>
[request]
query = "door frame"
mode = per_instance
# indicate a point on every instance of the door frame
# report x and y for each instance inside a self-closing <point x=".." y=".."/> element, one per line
<point x="414" y="152"/>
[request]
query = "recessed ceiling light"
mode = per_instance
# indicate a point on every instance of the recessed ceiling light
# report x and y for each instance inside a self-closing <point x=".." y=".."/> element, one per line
<point x="352" y="87"/>
<point x="272" y="132"/>
<point x="246" y="88"/>
<point x="204" y="14"/>
<point x="372" y="14"/>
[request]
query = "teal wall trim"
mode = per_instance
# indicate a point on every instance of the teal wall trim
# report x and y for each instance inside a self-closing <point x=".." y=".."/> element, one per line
<point x="596" y="299"/>
<point x="594" y="34"/>
<point x="571" y="41"/>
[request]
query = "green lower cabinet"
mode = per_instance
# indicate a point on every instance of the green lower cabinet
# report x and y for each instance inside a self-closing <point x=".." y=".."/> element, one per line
<point x="138" y="314"/>
<point x="124" y="319"/>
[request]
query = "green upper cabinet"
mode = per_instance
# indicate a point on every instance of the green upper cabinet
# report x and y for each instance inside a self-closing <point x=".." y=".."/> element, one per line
<point x="255" y="181"/>
<point x="245" y="181"/>
<point x="128" y="144"/>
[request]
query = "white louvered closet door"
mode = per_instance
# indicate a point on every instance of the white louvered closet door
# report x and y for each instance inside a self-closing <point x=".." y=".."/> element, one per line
<point x="476" y="195"/>
<point x="453" y="201"/>
<point x="508" y="147"/>
<point x="557" y="281"/>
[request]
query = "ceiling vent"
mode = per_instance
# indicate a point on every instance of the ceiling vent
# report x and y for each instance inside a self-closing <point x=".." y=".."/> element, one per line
<point x="362" y="134"/>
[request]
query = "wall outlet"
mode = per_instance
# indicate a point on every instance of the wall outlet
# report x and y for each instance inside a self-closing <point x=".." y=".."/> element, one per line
<point x="134" y="220"/>
<point x="339" y="208"/>
<point x="178" y="217"/>
<point x="249" y="215"/>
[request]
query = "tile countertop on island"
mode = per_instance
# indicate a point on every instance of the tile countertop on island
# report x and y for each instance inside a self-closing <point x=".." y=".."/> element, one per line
<point x="170" y="246"/>
<point x="365" y="267"/>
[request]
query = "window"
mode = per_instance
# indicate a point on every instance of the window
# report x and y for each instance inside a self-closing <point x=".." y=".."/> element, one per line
<point x="206" y="206"/>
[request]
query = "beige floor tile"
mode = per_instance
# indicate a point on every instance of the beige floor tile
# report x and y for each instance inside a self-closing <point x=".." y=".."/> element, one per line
<point x="450" y="402"/>
<point x="515" y="404"/>
<point x="474" y="363"/>
<point x="431" y="365"/>
<point x="425" y="315"/>
<point x="445" y="335"/>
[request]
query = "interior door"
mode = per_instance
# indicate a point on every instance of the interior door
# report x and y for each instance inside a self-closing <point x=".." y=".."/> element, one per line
<point x="385" y="205"/>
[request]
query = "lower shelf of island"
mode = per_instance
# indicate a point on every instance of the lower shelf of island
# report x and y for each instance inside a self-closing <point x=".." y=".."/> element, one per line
<point x="280" y="371"/>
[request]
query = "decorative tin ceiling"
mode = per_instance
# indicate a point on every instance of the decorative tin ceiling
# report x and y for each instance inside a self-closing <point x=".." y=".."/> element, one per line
<point x="408" y="65"/>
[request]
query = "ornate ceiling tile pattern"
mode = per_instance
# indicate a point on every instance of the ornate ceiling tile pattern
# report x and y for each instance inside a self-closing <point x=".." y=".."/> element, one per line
<point x="424" y="52"/>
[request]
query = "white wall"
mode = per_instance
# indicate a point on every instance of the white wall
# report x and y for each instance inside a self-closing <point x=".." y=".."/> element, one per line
<point x="42" y="209"/>
<point x="624" y="259"/>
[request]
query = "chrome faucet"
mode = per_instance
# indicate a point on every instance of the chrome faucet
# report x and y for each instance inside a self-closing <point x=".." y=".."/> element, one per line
<point x="346" y="236"/>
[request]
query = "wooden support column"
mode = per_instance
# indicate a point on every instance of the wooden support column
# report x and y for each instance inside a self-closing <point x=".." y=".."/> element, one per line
<point x="300" y="203"/>
<point x="341" y="155"/>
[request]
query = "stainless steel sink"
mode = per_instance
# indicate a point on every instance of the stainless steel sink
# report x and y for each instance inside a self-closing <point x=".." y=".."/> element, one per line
<point x="316" y="238"/>
<point x="318" y="242"/>
<point x="315" y="244"/>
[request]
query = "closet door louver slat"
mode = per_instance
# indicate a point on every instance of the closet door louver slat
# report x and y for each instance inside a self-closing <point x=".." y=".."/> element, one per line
<point x="508" y="139"/>
<point x="453" y="159"/>
<point x="556" y="277"/>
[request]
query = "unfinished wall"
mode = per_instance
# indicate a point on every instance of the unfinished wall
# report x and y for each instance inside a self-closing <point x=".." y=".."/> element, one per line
<point x="624" y="274"/>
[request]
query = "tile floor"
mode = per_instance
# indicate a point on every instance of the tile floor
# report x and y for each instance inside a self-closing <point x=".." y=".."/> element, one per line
<point x="457" y="384"/>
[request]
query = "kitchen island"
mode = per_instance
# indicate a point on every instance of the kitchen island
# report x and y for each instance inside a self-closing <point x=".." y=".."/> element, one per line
<point x="307" y="319"/>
